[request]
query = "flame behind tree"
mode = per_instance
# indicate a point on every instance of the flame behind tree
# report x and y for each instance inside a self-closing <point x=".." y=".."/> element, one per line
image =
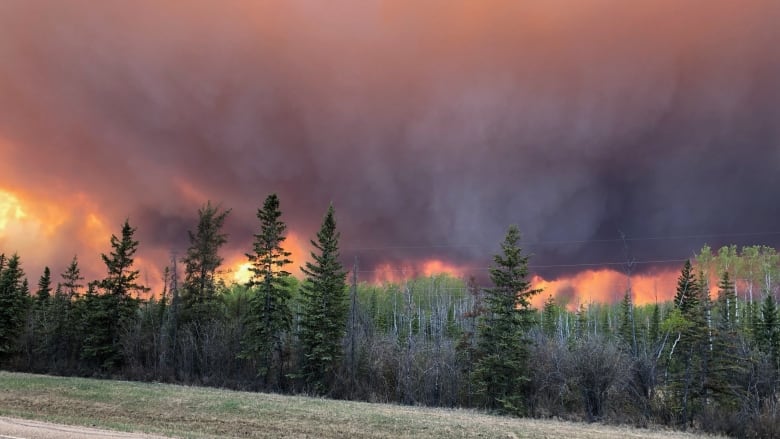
<point x="501" y="371"/>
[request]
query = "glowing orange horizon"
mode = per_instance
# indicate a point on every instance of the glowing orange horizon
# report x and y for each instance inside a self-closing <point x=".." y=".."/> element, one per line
<point x="25" y="223"/>
<point x="398" y="272"/>
<point x="605" y="286"/>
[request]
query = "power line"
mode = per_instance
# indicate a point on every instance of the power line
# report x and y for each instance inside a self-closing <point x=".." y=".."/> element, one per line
<point x="575" y="241"/>
<point x="532" y="266"/>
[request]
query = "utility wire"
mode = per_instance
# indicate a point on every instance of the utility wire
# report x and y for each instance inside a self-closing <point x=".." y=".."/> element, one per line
<point x="556" y="242"/>
<point x="532" y="266"/>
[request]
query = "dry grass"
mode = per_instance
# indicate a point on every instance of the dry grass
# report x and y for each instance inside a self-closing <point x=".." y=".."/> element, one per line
<point x="200" y="412"/>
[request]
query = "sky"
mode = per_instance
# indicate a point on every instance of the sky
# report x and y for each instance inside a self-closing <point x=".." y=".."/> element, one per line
<point x="430" y="126"/>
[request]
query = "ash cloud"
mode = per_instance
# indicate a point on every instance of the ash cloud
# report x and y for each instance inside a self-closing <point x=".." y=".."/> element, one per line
<point x="430" y="128"/>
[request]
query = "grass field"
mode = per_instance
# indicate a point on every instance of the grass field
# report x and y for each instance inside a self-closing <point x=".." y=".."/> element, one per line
<point x="201" y="412"/>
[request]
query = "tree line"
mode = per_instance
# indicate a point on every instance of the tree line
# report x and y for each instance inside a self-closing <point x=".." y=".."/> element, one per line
<point x="706" y="361"/>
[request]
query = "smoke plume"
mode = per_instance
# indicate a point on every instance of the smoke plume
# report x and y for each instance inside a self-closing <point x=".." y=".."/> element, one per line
<point x="431" y="126"/>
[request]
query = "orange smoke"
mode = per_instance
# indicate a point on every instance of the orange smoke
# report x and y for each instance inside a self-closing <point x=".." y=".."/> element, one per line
<point x="239" y="267"/>
<point x="606" y="285"/>
<point x="396" y="273"/>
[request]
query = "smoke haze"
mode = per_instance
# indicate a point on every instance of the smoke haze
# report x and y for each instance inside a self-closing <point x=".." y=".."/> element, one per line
<point x="430" y="126"/>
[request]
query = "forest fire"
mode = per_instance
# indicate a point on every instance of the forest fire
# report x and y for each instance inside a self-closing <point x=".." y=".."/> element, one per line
<point x="458" y="137"/>
<point x="605" y="286"/>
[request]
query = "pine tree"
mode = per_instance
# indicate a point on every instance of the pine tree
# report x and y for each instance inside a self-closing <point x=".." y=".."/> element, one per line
<point x="626" y="330"/>
<point x="62" y="332"/>
<point x="582" y="321"/>
<point x="654" y="333"/>
<point x="501" y="373"/>
<point x="270" y="316"/>
<point x="550" y="317"/>
<point x="727" y="302"/>
<point x="202" y="261"/>
<point x="687" y="297"/>
<point x="43" y="293"/>
<point x="121" y="279"/>
<point x="13" y="304"/>
<point x="768" y="337"/>
<point x="71" y="279"/>
<point x="324" y="313"/>
<point x="116" y="308"/>
<point x="688" y="368"/>
<point x="467" y="344"/>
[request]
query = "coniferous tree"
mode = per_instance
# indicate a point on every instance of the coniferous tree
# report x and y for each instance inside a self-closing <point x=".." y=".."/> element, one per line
<point x="40" y="321"/>
<point x="116" y="307"/>
<point x="626" y="330"/>
<point x="63" y="334"/>
<point x="467" y="344"/>
<point x="501" y="373"/>
<point x="727" y="302"/>
<point x="688" y="366"/>
<point x="202" y="262"/>
<point x="270" y="316"/>
<point x="121" y="280"/>
<point x="768" y="336"/>
<point x="44" y="287"/>
<point x="550" y="317"/>
<point x="582" y="321"/>
<point x="13" y="304"/>
<point x="324" y="313"/>
<point x="71" y="280"/>
<point x="687" y="296"/>
<point x="654" y="333"/>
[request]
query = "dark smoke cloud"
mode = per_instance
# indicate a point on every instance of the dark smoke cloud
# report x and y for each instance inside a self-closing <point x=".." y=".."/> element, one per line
<point x="427" y="125"/>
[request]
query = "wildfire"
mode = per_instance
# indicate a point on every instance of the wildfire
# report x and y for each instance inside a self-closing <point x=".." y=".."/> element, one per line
<point x="395" y="273"/>
<point x="605" y="285"/>
<point x="10" y="210"/>
<point x="239" y="269"/>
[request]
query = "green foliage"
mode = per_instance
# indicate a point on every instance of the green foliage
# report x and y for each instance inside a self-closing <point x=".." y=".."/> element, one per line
<point x="768" y="332"/>
<point x="627" y="329"/>
<point x="43" y="292"/>
<point x="654" y="332"/>
<point x="689" y="355"/>
<point x="201" y="264"/>
<point x="501" y="371"/>
<point x="71" y="279"/>
<point x="324" y="311"/>
<point x="107" y="314"/>
<point x="121" y="279"/>
<point x="726" y="303"/>
<point x="550" y="313"/>
<point x="13" y="303"/>
<point x="270" y="315"/>
<point x="687" y="296"/>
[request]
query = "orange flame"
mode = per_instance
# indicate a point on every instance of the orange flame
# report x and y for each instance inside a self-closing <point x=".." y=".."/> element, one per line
<point x="239" y="269"/>
<point x="396" y="273"/>
<point x="605" y="285"/>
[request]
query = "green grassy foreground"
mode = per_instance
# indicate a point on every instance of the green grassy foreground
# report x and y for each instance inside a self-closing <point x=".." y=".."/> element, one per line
<point x="202" y="412"/>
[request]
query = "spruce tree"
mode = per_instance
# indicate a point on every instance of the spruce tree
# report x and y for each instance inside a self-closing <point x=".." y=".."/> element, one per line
<point x="270" y="316"/>
<point x="727" y="302"/>
<point x="71" y="279"/>
<point x="582" y="321"/>
<point x="116" y="307"/>
<point x="550" y="317"/>
<point x="768" y="336"/>
<point x="688" y="365"/>
<point x="687" y="296"/>
<point x="324" y="313"/>
<point x="654" y="333"/>
<point x="501" y="373"/>
<point x="13" y="304"/>
<point x="121" y="279"/>
<point x="202" y="261"/>
<point x="43" y="293"/>
<point x="626" y="329"/>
